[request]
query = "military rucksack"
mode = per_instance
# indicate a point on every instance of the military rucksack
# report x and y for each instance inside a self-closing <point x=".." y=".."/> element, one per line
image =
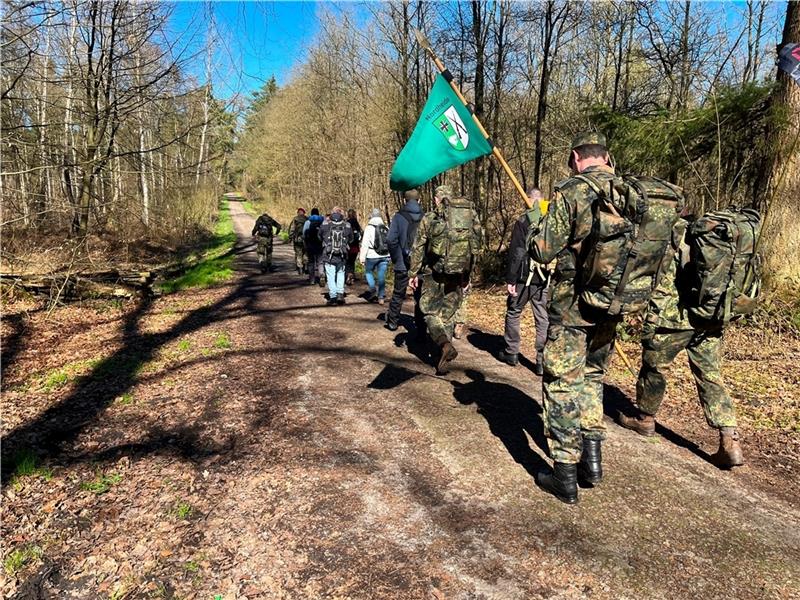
<point x="296" y="234"/>
<point x="265" y="227"/>
<point x="724" y="277"/>
<point x="379" y="243"/>
<point x="620" y="259"/>
<point x="453" y="242"/>
<point x="534" y="215"/>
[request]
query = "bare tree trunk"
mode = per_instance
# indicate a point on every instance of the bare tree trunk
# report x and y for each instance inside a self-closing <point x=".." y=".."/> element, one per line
<point x="778" y="195"/>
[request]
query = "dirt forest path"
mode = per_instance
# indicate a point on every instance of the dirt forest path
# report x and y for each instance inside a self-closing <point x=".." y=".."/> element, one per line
<point x="318" y="456"/>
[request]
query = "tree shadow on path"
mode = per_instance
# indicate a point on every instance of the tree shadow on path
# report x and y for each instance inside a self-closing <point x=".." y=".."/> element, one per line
<point x="51" y="433"/>
<point x="492" y="343"/>
<point x="510" y="414"/>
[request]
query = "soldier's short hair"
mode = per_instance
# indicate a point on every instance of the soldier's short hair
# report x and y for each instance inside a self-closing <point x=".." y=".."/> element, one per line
<point x="591" y="151"/>
<point x="411" y="195"/>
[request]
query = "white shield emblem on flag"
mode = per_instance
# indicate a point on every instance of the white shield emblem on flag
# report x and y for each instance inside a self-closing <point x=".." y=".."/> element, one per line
<point x="451" y="126"/>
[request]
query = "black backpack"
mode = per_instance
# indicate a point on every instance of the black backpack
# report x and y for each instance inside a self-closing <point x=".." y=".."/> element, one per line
<point x="264" y="228"/>
<point x="335" y="239"/>
<point x="411" y="231"/>
<point x="379" y="244"/>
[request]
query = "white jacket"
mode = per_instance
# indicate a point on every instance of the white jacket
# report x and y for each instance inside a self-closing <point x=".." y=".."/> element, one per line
<point x="369" y="239"/>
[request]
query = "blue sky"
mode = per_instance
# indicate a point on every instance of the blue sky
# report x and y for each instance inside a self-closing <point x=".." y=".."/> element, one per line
<point x="258" y="39"/>
<point x="254" y="40"/>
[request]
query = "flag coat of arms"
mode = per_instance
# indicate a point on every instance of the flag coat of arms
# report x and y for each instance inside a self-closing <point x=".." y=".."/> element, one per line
<point x="445" y="136"/>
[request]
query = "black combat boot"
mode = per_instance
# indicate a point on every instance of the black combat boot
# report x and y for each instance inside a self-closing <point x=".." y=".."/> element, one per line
<point x="508" y="358"/>
<point x="590" y="467"/>
<point x="538" y="367"/>
<point x="562" y="482"/>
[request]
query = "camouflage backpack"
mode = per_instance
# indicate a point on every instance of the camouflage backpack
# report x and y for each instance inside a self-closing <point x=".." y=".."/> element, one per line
<point x="631" y="231"/>
<point x="296" y="232"/>
<point x="453" y="242"/>
<point x="724" y="278"/>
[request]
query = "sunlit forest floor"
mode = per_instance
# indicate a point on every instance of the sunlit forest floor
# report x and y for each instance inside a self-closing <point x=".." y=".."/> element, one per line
<point x="245" y="441"/>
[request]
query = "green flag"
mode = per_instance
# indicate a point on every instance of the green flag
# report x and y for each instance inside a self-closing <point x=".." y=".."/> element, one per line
<point x="445" y="136"/>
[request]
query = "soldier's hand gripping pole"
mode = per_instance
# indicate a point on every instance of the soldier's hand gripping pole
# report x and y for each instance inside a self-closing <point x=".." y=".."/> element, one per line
<point x="424" y="43"/>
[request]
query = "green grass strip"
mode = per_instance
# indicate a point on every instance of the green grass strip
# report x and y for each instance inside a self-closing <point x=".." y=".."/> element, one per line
<point x="216" y="267"/>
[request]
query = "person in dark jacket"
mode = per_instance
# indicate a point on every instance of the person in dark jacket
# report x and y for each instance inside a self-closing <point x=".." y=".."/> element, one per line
<point x="527" y="283"/>
<point x="313" y="245"/>
<point x="400" y="239"/>
<point x="352" y="253"/>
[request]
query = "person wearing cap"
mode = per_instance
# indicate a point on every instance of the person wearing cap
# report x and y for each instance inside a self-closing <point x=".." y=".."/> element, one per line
<point x="442" y="290"/>
<point x="580" y="340"/>
<point x="374" y="255"/>
<point x="402" y="233"/>
<point x="296" y="238"/>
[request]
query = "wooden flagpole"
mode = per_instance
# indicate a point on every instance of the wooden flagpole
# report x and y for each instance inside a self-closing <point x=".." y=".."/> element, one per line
<point x="424" y="43"/>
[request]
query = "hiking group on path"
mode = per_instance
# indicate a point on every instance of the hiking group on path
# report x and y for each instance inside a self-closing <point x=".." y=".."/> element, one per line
<point x="602" y="248"/>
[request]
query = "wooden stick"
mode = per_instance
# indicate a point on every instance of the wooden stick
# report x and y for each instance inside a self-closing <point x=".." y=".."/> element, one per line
<point x="423" y="41"/>
<point x="625" y="359"/>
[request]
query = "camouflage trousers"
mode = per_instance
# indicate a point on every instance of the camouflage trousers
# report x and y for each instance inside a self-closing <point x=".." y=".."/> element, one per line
<point x="704" y="350"/>
<point x="575" y="359"/>
<point x="264" y="251"/>
<point x="439" y="302"/>
<point x="300" y="259"/>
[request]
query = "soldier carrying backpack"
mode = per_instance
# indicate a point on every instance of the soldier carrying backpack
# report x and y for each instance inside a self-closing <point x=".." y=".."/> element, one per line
<point x="710" y="277"/>
<point x="296" y="238"/>
<point x="608" y="235"/>
<point x="263" y="232"/>
<point x="448" y="240"/>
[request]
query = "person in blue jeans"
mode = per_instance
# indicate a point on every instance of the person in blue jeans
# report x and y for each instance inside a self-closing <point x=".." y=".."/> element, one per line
<point x="336" y="235"/>
<point x="374" y="256"/>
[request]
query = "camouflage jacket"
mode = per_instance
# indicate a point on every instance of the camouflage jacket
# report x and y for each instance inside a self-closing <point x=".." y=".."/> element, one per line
<point x="296" y="229"/>
<point x="560" y="233"/>
<point x="264" y="225"/>
<point x="665" y="309"/>
<point x="421" y="260"/>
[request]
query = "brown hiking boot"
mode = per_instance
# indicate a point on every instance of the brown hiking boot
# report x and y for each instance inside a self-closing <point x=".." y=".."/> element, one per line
<point x="642" y="423"/>
<point x="729" y="454"/>
<point x="448" y="354"/>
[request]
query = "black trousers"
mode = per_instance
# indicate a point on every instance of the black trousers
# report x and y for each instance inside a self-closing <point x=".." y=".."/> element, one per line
<point x="398" y="297"/>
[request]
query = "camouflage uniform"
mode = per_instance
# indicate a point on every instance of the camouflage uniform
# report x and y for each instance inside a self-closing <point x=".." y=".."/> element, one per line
<point x="296" y="237"/>
<point x="668" y="330"/>
<point x="442" y="295"/>
<point x="263" y="230"/>
<point x="580" y="339"/>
